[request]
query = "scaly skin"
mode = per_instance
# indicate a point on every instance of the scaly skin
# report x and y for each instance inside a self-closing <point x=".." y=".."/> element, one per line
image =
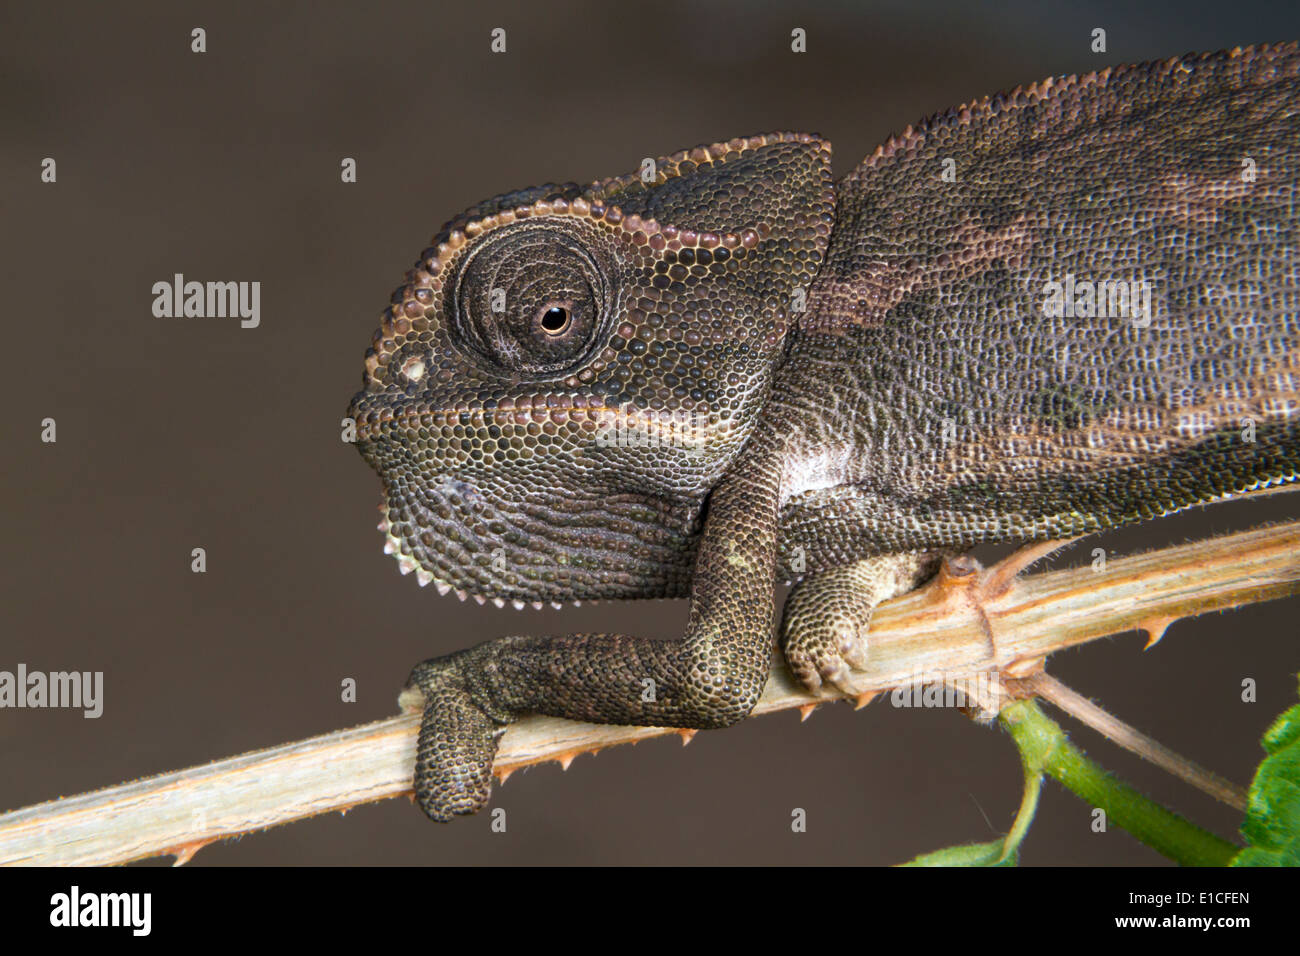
<point x="834" y="378"/>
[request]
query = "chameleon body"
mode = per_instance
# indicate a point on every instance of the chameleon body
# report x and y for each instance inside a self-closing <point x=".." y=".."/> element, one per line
<point x="734" y="370"/>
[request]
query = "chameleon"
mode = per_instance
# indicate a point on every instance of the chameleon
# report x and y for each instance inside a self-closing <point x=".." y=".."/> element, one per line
<point x="1045" y="313"/>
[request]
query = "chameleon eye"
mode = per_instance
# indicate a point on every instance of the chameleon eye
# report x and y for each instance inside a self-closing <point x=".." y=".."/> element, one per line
<point x="555" y="320"/>
<point x="531" y="297"/>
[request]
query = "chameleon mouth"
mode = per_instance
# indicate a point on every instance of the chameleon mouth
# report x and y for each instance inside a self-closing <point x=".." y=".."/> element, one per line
<point x="556" y="408"/>
<point x="589" y="418"/>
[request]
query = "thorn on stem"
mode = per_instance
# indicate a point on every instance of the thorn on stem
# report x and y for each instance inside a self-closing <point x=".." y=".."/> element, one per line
<point x="186" y="852"/>
<point x="1155" y="629"/>
<point x="1010" y="567"/>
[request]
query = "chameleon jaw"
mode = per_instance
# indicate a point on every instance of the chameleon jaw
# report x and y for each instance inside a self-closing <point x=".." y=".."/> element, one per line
<point x="407" y="564"/>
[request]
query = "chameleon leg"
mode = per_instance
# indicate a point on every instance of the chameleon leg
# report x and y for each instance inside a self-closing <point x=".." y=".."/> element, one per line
<point x="825" y="620"/>
<point x="712" y="677"/>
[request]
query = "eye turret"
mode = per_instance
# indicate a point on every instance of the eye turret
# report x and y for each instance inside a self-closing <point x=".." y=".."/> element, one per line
<point x="531" y="297"/>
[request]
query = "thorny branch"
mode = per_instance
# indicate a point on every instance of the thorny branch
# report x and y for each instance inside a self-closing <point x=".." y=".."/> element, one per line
<point x="987" y="632"/>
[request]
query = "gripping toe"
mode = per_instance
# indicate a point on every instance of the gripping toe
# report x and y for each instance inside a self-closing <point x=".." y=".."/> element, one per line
<point x="827" y="617"/>
<point x="454" y="755"/>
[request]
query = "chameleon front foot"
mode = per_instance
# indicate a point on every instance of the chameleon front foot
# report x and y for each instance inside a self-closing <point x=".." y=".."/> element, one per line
<point x="826" y="618"/>
<point x="457" y="743"/>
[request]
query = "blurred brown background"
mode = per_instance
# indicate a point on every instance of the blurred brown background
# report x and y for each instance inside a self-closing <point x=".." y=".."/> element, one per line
<point x="183" y="433"/>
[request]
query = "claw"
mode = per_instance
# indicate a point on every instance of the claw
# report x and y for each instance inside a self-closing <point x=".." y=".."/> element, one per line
<point x="836" y="674"/>
<point x="808" y="676"/>
<point x="844" y="684"/>
<point x="854" y="651"/>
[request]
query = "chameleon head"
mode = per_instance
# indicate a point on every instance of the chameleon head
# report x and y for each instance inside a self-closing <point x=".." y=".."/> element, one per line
<point x="567" y="371"/>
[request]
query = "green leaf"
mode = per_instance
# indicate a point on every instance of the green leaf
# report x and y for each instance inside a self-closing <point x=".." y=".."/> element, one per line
<point x="1272" y="824"/>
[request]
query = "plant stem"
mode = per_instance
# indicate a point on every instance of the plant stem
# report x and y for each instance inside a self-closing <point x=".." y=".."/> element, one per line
<point x="1028" y="807"/>
<point x="1043" y="745"/>
<point x="179" y="812"/>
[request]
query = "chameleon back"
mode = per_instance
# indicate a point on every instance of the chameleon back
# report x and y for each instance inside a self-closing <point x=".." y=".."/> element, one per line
<point x="1063" y="308"/>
